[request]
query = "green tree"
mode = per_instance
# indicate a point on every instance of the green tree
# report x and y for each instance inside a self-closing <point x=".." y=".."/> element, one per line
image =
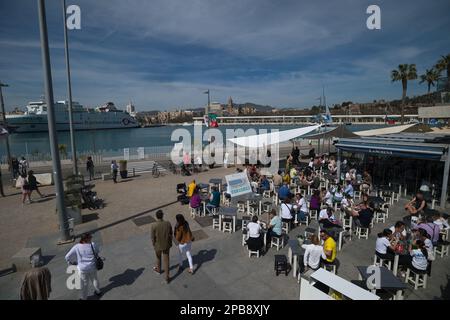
<point x="430" y="77"/>
<point x="404" y="73"/>
<point x="444" y="64"/>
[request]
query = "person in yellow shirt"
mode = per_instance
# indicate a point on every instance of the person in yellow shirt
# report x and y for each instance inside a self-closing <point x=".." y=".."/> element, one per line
<point x="191" y="188"/>
<point x="329" y="247"/>
<point x="287" y="178"/>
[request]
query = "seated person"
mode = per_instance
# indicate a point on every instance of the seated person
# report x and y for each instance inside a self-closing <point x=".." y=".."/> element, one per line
<point x="328" y="221"/>
<point x="417" y="261"/>
<point x="286" y="178"/>
<point x="301" y="206"/>
<point x="383" y="247"/>
<point x="286" y="210"/>
<point x="214" y="200"/>
<point x="363" y="217"/>
<point x="314" y="202"/>
<point x="274" y="228"/>
<point x="367" y="182"/>
<point x="329" y="248"/>
<point x="191" y="188"/>
<point x="277" y="179"/>
<point x="284" y="192"/>
<point x="440" y="221"/>
<point x="338" y="195"/>
<point x="398" y="230"/>
<point x="255" y="240"/>
<point x="264" y="184"/>
<point x="425" y="237"/>
<point x="195" y="200"/>
<point x="347" y="205"/>
<point x="416" y="205"/>
<point x="349" y="189"/>
<point x="293" y="175"/>
<point x="313" y="253"/>
<point x="431" y="228"/>
<point x="328" y="198"/>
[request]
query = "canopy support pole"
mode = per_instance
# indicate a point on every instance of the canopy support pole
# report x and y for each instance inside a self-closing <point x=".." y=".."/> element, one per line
<point x="338" y="166"/>
<point x="445" y="179"/>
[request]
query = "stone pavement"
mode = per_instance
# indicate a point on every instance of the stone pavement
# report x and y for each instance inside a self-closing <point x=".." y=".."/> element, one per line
<point x="224" y="270"/>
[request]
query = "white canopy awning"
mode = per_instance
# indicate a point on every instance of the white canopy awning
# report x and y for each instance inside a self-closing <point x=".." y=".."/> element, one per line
<point x="266" y="139"/>
<point x="386" y="130"/>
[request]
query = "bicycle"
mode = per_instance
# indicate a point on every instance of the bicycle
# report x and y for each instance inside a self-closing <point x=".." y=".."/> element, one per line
<point x="155" y="171"/>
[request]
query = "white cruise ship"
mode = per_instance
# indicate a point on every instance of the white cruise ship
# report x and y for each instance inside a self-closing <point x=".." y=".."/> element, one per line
<point x="105" y="117"/>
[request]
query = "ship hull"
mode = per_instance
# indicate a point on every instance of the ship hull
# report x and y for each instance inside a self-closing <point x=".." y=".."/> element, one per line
<point x="38" y="123"/>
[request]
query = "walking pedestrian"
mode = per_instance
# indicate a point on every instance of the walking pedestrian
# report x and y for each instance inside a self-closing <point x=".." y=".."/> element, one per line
<point x="161" y="234"/>
<point x="23" y="166"/>
<point x="15" y="167"/>
<point x="32" y="181"/>
<point x="114" y="170"/>
<point x="83" y="255"/>
<point x="184" y="237"/>
<point x="22" y="182"/>
<point x="90" y="168"/>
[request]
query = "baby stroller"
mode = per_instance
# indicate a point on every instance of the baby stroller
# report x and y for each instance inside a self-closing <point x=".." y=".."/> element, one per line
<point x="182" y="190"/>
<point x="90" y="199"/>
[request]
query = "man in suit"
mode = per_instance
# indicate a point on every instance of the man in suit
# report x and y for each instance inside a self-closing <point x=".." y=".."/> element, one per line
<point x="161" y="234"/>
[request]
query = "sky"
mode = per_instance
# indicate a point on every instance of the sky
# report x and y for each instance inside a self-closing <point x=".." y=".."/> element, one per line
<point x="163" y="54"/>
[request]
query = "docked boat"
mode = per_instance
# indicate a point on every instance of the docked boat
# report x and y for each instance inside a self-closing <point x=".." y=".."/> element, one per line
<point x="104" y="117"/>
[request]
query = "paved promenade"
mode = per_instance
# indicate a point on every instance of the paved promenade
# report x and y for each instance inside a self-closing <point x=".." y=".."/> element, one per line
<point x="223" y="269"/>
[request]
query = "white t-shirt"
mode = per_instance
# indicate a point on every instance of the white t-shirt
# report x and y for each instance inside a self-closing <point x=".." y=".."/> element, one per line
<point x="419" y="261"/>
<point x="82" y="254"/>
<point x="303" y="205"/>
<point x="312" y="255"/>
<point x="323" y="214"/>
<point x="253" y="229"/>
<point x="286" y="211"/>
<point x="345" y="203"/>
<point x="328" y="198"/>
<point x="393" y="231"/>
<point x="381" y="245"/>
<point x="442" y="224"/>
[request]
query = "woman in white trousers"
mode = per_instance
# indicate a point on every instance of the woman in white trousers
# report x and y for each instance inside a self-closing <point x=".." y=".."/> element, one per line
<point x="82" y="254"/>
<point x="184" y="237"/>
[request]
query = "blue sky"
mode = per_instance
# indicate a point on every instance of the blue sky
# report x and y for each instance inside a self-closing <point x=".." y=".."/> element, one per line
<point x="163" y="54"/>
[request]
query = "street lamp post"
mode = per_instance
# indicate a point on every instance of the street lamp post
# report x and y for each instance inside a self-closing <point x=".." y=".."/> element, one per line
<point x="69" y="93"/>
<point x="61" y="208"/>
<point x="2" y="107"/>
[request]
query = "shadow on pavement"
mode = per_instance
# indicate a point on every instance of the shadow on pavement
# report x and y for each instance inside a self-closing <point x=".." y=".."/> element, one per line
<point x="128" y="218"/>
<point x="203" y="256"/>
<point x="127" y="278"/>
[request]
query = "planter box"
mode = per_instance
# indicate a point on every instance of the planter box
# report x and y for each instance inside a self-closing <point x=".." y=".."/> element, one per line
<point x="75" y="213"/>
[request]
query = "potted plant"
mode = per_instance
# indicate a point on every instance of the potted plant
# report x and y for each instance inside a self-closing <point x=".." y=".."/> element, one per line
<point x="123" y="169"/>
<point x="72" y="197"/>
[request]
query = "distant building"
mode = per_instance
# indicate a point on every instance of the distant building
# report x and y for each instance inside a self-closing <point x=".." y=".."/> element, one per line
<point x="131" y="109"/>
<point x="216" y="107"/>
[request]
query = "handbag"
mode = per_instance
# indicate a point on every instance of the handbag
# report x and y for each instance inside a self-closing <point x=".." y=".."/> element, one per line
<point x="98" y="261"/>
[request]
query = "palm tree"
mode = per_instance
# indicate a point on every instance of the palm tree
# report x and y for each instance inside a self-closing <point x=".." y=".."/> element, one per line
<point x="444" y="63"/>
<point x="404" y="73"/>
<point x="430" y="77"/>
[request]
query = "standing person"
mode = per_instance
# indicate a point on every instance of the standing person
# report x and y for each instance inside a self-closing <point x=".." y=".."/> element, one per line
<point x="329" y="248"/>
<point x="161" y="234"/>
<point x="114" y="170"/>
<point x="90" y="168"/>
<point x="15" y="167"/>
<point x="25" y="187"/>
<point x="83" y="255"/>
<point x="184" y="237"/>
<point x="32" y="181"/>
<point x="23" y="166"/>
<point x="191" y="188"/>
